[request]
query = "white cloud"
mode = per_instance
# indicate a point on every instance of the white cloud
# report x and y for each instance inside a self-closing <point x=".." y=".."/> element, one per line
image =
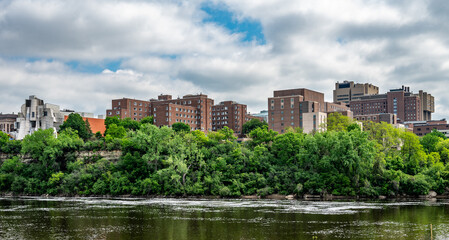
<point x="165" y="47"/>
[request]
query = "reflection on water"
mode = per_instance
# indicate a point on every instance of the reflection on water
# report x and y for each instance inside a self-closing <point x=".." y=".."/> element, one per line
<point x="95" y="218"/>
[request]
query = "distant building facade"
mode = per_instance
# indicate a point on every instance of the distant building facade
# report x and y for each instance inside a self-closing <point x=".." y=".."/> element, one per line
<point x="263" y="116"/>
<point x="421" y="128"/>
<point x="35" y="115"/>
<point x="230" y="114"/>
<point x="129" y="108"/>
<point x="96" y="124"/>
<point x="301" y="108"/>
<point x="348" y="91"/>
<point x="406" y="105"/>
<point x="7" y="122"/>
<point x="381" y="117"/>
<point x="194" y="110"/>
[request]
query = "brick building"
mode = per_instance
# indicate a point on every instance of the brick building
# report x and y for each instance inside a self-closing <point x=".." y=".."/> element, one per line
<point x="302" y="108"/>
<point x="129" y="108"/>
<point x="194" y="110"/>
<point x="230" y="114"/>
<point x="381" y="117"/>
<point x="7" y="122"/>
<point x="349" y="91"/>
<point x="421" y="128"/>
<point x="406" y="105"/>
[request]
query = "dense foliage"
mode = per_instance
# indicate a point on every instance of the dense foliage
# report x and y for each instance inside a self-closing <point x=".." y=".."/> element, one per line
<point x="380" y="160"/>
<point x="76" y="122"/>
<point x="253" y="124"/>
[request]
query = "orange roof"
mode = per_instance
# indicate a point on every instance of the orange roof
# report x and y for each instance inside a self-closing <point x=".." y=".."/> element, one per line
<point x="96" y="124"/>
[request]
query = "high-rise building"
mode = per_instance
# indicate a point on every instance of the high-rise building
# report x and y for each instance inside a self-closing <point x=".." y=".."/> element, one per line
<point x="349" y="91"/>
<point x="406" y="105"/>
<point x="302" y="108"/>
<point x="230" y="114"/>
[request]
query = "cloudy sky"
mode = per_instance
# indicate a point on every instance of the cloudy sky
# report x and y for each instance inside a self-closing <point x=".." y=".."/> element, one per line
<point x="81" y="54"/>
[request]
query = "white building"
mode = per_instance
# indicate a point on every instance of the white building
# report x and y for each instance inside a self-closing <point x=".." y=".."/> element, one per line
<point x="34" y="115"/>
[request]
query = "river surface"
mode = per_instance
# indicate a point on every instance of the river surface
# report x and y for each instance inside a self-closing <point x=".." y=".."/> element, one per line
<point x="96" y="218"/>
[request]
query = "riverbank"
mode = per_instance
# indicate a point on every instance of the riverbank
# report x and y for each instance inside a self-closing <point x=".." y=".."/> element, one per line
<point x="307" y="197"/>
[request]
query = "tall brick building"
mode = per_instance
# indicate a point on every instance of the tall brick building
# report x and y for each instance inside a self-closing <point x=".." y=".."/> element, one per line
<point x="230" y="114"/>
<point x="406" y="105"/>
<point x="302" y="108"/>
<point x="194" y="110"/>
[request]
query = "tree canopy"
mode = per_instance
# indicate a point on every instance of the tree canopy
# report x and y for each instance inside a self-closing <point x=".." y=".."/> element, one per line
<point x="76" y="122"/>
<point x="252" y="124"/>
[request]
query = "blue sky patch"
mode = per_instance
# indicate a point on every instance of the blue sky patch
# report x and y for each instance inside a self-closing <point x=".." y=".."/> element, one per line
<point x="94" y="67"/>
<point x="222" y="16"/>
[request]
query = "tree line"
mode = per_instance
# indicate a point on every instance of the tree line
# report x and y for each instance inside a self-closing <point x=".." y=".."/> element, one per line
<point x="348" y="159"/>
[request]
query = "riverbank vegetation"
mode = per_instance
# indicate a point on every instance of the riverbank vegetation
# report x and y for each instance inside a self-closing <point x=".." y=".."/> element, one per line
<point x="380" y="160"/>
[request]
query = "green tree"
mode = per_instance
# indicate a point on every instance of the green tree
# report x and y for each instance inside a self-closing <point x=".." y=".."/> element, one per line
<point x="431" y="140"/>
<point x="76" y="122"/>
<point x="130" y="124"/>
<point x="337" y="122"/>
<point x="115" y="131"/>
<point x="146" y="120"/>
<point x="262" y="135"/>
<point x="252" y="124"/>
<point x="180" y="127"/>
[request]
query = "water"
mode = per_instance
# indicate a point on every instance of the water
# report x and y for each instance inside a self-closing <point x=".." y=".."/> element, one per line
<point x="95" y="218"/>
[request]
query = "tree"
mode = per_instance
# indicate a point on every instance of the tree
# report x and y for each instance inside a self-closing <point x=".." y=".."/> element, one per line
<point x="180" y="127"/>
<point x="147" y="120"/>
<point x="252" y="124"/>
<point x="228" y="133"/>
<point x="130" y="124"/>
<point x="4" y="138"/>
<point x="112" y="120"/>
<point x="430" y="141"/>
<point x="76" y="122"/>
<point x="115" y="131"/>
<point x="337" y="122"/>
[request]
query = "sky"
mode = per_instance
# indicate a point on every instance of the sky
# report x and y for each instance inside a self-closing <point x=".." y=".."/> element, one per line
<point x="81" y="54"/>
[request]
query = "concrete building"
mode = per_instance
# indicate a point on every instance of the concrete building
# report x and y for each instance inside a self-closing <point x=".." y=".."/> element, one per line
<point x="349" y="91"/>
<point x="230" y="114"/>
<point x="406" y="105"/>
<point x="302" y="108"/>
<point x="7" y="122"/>
<point x="34" y="115"/>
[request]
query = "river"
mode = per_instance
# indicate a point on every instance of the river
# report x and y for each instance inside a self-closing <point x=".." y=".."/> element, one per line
<point x="160" y="218"/>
